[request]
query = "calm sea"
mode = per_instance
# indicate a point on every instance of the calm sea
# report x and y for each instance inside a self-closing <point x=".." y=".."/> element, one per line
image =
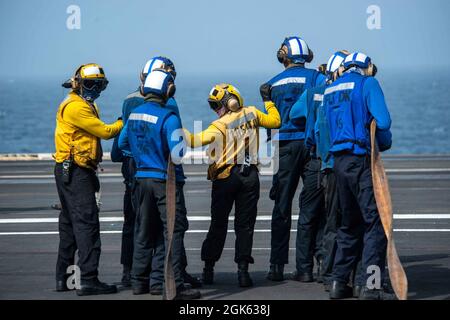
<point x="418" y="101"/>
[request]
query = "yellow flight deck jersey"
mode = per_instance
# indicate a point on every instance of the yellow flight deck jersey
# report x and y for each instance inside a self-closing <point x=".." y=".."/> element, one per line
<point x="233" y="136"/>
<point x="79" y="130"/>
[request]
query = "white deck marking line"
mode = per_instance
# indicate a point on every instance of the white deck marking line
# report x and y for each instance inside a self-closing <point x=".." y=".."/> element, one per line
<point x="193" y="231"/>
<point x="206" y="218"/>
<point x="193" y="173"/>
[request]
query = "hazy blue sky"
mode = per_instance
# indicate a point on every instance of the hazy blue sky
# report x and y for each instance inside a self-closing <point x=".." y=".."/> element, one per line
<point x="214" y="36"/>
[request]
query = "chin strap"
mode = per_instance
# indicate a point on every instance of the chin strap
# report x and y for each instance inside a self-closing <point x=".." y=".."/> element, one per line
<point x="383" y="198"/>
<point x="170" y="289"/>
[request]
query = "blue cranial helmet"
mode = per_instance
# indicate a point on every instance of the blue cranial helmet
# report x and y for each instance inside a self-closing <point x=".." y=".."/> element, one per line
<point x="357" y="59"/>
<point x="298" y="50"/>
<point x="159" y="82"/>
<point x="336" y="61"/>
<point x="158" y="62"/>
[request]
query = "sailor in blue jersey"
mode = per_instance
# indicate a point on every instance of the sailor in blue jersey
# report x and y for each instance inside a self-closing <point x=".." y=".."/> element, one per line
<point x="287" y="87"/>
<point x="311" y="223"/>
<point x="351" y="102"/>
<point x="150" y="132"/>
<point x="132" y="101"/>
<point x="318" y="142"/>
<point x="124" y="156"/>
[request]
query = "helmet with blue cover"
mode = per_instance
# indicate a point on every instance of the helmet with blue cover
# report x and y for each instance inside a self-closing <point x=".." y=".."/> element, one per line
<point x="160" y="83"/>
<point x="158" y="62"/>
<point x="362" y="61"/>
<point x="295" y="50"/>
<point x="334" y="63"/>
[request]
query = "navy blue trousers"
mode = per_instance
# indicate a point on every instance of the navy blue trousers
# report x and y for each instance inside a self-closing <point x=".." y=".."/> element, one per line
<point x="361" y="226"/>
<point x="129" y="212"/>
<point x="150" y="234"/>
<point x="295" y="163"/>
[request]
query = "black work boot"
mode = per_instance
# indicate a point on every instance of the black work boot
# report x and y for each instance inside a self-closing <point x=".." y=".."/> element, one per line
<point x="94" y="287"/>
<point x="193" y="281"/>
<point x="126" y="277"/>
<point x="208" y="272"/>
<point x="61" y="285"/>
<point x="319" y="278"/>
<point x="243" y="275"/>
<point x="276" y="272"/>
<point x="340" y="290"/>
<point x="156" y="291"/>
<point x="184" y="293"/>
<point x="140" y="286"/>
<point x="375" y="294"/>
<point x="357" y="291"/>
<point x="301" y="276"/>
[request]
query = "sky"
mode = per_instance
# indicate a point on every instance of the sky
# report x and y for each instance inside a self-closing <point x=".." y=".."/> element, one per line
<point x="204" y="37"/>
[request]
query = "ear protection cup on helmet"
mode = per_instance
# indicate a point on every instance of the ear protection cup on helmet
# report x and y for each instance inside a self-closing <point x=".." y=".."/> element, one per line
<point x="76" y="80"/>
<point x="340" y="71"/>
<point x="141" y="90"/>
<point x="75" y="83"/>
<point x="310" y="56"/>
<point x="281" y="55"/>
<point x="372" y="70"/>
<point x="322" y="68"/>
<point x="171" y="89"/>
<point x="233" y="104"/>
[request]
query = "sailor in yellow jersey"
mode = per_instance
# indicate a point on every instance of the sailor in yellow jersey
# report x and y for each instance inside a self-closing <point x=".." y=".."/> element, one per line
<point x="78" y="152"/>
<point x="233" y="154"/>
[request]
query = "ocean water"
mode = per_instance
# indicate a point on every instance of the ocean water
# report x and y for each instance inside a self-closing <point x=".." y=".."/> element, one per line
<point x="418" y="101"/>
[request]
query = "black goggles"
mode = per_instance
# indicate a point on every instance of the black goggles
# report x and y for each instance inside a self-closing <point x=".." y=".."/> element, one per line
<point x="215" y="105"/>
<point x="95" y="84"/>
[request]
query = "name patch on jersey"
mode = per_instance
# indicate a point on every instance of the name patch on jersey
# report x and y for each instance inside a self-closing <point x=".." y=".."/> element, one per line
<point x="289" y="80"/>
<point x="338" y="94"/>
<point x="143" y="117"/>
<point x="340" y="87"/>
<point x="318" y="97"/>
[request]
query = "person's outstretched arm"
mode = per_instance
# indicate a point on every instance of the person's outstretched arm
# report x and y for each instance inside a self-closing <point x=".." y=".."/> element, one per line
<point x="123" y="139"/>
<point x="272" y="119"/>
<point x="83" y="117"/>
<point x="203" y="138"/>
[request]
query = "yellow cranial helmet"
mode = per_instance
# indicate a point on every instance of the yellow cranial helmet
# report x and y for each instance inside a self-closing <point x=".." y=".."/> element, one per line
<point x="89" y="81"/>
<point x="91" y="71"/>
<point x="225" y="95"/>
<point x="90" y="76"/>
